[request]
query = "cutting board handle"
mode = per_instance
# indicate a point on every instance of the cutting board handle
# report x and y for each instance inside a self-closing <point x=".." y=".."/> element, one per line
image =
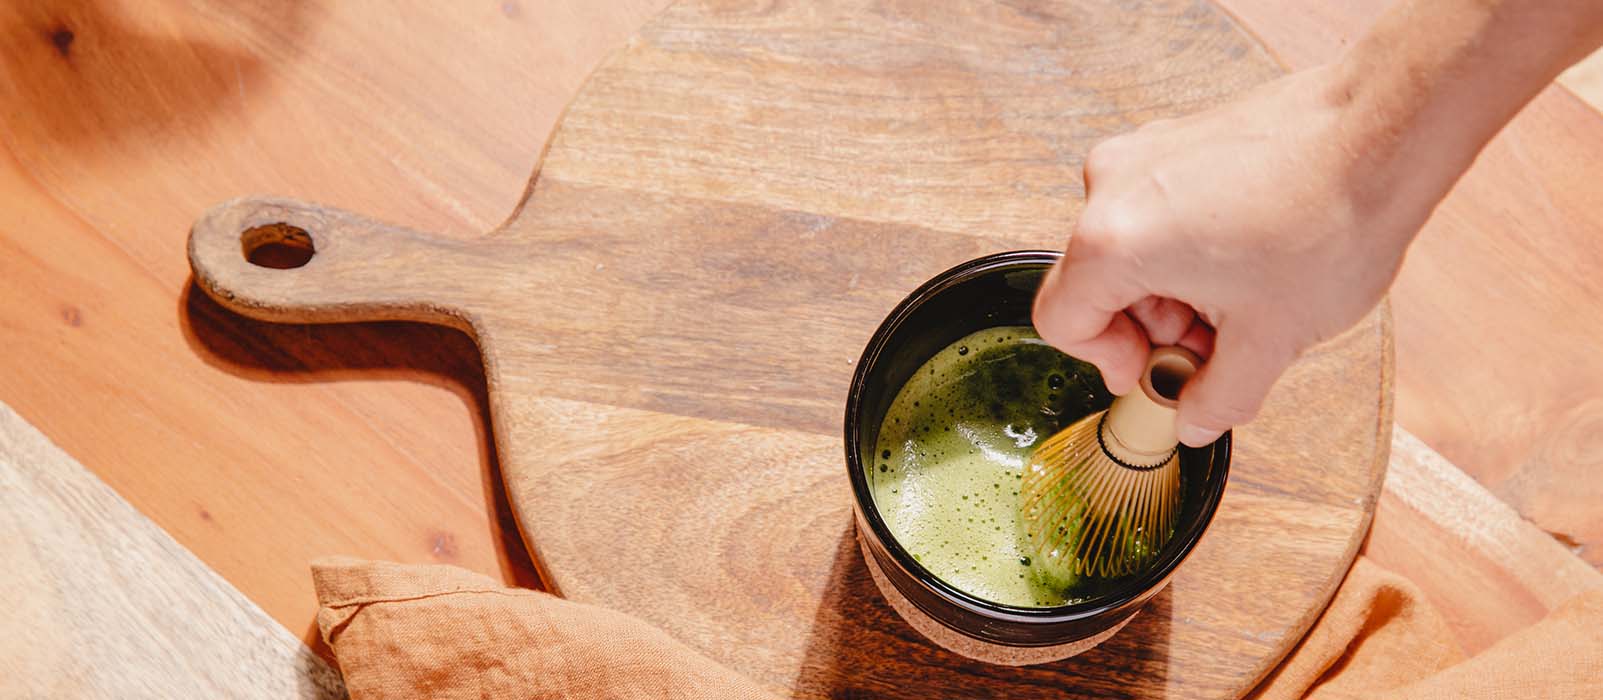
<point x="359" y="269"/>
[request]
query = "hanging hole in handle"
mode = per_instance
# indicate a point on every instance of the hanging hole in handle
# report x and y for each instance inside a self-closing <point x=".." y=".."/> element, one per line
<point x="278" y="245"/>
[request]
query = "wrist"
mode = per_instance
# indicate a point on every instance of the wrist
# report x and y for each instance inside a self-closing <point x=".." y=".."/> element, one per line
<point x="1394" y="154"/>
<point x="1434" y="80"/>
<point x="1412" y="115"/>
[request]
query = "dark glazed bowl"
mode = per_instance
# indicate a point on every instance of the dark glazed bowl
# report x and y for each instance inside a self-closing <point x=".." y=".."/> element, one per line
<point x="995" y="290"/>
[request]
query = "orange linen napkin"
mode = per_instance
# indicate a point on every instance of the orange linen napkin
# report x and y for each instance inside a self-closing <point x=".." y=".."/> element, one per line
<point x="403" y="631"/>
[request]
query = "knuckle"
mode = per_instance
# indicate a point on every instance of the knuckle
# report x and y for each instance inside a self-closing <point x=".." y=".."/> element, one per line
<point x="1104" y="156"/>
<point x="1054" y="329"/>
<point x="1109" y="228"/>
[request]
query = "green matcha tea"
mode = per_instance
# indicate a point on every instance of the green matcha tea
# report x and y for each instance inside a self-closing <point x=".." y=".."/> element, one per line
<point x="950" y="457"/>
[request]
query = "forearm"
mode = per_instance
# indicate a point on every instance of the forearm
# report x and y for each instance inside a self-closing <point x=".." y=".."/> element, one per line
<point x="1434" y="80"/>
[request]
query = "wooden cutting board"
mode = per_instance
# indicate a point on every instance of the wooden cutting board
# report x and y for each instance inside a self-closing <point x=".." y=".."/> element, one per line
<point x="728" y="209"/>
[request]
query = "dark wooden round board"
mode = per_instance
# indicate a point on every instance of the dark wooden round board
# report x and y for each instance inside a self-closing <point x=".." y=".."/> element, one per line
<point x="729" y="207"/>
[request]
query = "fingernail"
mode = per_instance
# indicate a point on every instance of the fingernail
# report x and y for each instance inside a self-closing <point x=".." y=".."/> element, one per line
<point x="1194" y="436"/>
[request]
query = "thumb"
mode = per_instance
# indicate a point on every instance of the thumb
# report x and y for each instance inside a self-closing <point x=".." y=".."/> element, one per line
<point x="1231" y="386"/>
<point x="1080" y="310"/>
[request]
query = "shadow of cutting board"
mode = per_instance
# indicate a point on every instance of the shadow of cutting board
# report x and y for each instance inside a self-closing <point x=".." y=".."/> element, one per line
<point x="727" y="210"/>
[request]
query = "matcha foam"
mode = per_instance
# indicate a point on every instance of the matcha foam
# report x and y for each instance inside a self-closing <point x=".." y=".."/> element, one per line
<point x="950" y="456"/>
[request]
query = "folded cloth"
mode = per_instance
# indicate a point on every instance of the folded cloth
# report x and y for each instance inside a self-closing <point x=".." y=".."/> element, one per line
<point x="1377" y="634"/>
<point x="1380" y="638"/>
<point x="402" y="631"/>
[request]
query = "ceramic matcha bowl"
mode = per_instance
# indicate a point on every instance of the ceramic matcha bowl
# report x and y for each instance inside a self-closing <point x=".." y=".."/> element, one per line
<point x="950" y="393"/>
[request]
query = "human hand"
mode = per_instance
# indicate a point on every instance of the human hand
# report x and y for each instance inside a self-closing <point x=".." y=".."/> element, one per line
<point x="1246" y="233"/>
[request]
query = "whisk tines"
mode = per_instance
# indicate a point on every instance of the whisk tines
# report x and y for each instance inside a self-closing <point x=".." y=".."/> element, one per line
<point x="1102" y="497"/>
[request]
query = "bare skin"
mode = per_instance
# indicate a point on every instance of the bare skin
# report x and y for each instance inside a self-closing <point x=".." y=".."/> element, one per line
<point x="1257" y="229"/>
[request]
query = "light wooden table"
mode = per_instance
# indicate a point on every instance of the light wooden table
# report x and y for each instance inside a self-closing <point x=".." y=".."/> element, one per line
<point x="259" y="447"/>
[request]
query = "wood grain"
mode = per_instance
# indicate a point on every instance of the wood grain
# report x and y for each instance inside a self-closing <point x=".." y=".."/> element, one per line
<point x="1489" y="570"/>
<point x="727" y="210"/>
<point x="99" y="602"/>
<point x="369" y="439"/>
<point x="362" y="440"/>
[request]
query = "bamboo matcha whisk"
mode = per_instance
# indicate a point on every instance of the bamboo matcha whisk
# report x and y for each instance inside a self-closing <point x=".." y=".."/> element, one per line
<point x="1102" y="496"/>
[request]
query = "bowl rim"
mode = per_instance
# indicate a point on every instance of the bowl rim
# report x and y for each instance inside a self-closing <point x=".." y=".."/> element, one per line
<point x="1154" y="577"/>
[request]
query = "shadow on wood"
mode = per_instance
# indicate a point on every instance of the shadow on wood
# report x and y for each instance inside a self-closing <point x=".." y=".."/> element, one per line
<point x="415" y="352"/>
<point x="81" y="71"/>
<point x="861" y="648"/>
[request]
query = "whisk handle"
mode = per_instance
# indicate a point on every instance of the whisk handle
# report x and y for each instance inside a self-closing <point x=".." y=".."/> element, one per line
<point x="1140" y="426"/>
